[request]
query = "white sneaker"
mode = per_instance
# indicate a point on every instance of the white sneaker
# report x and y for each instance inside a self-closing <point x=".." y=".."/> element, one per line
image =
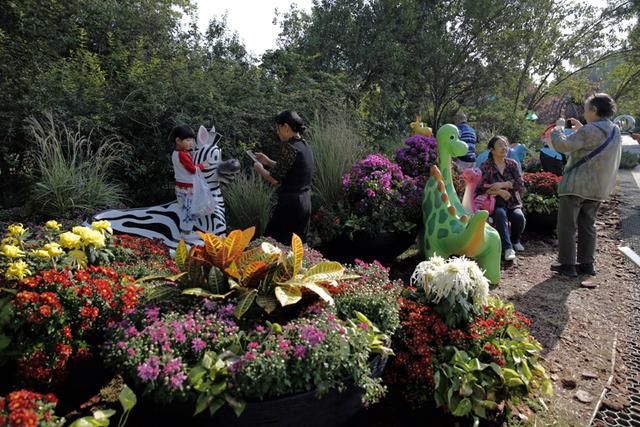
<point x="509" y="255"/>
<point x="518" y="247"/>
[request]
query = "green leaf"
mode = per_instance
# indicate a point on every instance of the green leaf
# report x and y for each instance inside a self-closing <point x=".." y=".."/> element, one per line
<point x="89" y="422"/>
<point x="463" y="408"/>
<point x="237" y="405"/>
<point x="288" y="294"/>
<point x="202" y="403"/>
<point x="245" y="303"/>
<point x="208" y="360"/>
<point x="103" y="414"/>
<point x="215" y="406"/>
<point x="216" y="281"/>
<point x="127" y="398"/>
<point x="181" y="255"/>
<point x="196" y="374"/>
<point x="267" y="302"/>
<point x="5" y="340"/>
<point x="320" y="291"/>
<point x="324" y="272"/>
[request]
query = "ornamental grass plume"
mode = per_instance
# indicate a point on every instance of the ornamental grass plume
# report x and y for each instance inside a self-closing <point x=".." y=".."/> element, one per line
<point x="462" y="276"/>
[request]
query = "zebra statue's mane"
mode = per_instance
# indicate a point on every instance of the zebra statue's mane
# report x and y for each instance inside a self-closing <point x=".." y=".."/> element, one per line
<point x="162" y="221"/>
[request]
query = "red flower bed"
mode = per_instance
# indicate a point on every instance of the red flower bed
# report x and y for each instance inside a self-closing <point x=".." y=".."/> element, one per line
<point x="25" y="408"/>
<point x="423" y="332"/>
<point x="141" y="256"/>
<point x="58" y="312"/>
<point x="543" y="183"/>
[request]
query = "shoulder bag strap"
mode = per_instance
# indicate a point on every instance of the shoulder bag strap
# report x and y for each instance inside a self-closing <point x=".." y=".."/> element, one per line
<point x="595" y="152"/>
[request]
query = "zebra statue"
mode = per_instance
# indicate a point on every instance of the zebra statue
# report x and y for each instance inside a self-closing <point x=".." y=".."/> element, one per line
<point x="162" y="221"/>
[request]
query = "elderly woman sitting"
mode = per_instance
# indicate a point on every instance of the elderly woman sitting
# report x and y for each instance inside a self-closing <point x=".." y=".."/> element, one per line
<point x="502" y="178"/>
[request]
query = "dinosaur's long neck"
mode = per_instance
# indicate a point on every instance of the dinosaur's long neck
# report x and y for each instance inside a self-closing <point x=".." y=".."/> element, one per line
<point x="469" y="191"/>
<point x="444" y="162"/>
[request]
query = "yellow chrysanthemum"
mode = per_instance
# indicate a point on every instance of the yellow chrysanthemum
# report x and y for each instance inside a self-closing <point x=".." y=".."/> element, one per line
<point x="53" y="225"/>
<point x="93" y="238"/>
<point x="9" y="241"/>
<point x="79" y="258"/>
<point x="81" y="230"/>
<point x="17" y="230"/>
<point x="41" y="253"/>
<point x="17" y="270"/>
<point x="12" y="251"/>
<point x="70" y="240"/>
<point x="104" y="226"/>
<point x="53" y="248"/>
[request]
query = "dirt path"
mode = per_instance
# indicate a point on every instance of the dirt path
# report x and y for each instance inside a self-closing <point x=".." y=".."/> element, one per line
<point x="576" y="325"/>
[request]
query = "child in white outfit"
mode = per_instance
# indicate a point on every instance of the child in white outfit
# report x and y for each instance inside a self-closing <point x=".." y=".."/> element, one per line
<point x="184" y="169"/>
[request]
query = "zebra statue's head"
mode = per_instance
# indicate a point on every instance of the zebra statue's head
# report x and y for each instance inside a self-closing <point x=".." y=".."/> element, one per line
<point x="162" y="221"/>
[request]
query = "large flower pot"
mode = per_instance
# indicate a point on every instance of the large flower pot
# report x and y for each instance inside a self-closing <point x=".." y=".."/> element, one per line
<point x="384" y="246"/>
<point x="332" y="409"/>
<point x="542" y="223"/>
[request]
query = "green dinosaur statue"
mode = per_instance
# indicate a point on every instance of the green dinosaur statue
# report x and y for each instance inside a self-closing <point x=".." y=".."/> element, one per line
<point x="448" y="228"/>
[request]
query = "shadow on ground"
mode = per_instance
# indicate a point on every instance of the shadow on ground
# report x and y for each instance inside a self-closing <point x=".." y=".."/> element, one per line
<point x="545" y="304"/>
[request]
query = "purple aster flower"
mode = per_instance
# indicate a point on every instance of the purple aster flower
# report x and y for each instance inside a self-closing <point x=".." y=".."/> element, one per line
<point x="150" y="369"/>
<point x="284" y="345"/>
<point x="300" y="351"/>
<point x="172" y="366"/>
<point x="312" y="335"/>
<point x="152" y="312"/>
<point x="175" y="383"/>
<point x="158" y="333"/>
<point x="198" y="345"/>
<point x="253" y="345"/>
<point x="210" y="304"/>
<point x="131" y="332"/>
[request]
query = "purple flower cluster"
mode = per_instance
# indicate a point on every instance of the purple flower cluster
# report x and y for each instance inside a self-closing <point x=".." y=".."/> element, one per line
<point x="160" y="349"/>
<point x="377" y="189"/>
<point x="418" y="155"/>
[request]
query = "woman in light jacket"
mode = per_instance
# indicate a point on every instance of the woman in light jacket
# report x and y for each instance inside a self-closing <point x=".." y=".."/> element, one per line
<point x="589" y="178"/>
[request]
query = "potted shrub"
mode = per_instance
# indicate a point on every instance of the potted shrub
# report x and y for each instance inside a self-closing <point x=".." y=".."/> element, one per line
<point x="377" y="219"/>
<point x="273" y="335"/>
<point x="540" y="201"/>
<point x="461" y="350"/>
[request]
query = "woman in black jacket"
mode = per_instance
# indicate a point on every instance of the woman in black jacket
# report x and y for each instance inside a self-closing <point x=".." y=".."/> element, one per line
<point x="293" y="172"/>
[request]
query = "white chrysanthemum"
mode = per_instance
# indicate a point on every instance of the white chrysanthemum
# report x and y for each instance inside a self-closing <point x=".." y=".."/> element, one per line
<point x="440" y="278"/>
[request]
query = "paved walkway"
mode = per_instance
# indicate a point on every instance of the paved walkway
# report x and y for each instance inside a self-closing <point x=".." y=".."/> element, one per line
<point x="629" y="347"/>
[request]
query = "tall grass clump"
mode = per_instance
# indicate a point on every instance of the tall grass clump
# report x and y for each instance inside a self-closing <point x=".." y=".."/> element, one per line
<point x="247" y="201"/>
<point x="71" y="172"/>
<point x="336" y="147"/>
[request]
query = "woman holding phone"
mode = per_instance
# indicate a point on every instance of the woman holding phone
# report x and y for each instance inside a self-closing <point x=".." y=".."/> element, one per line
<point x="292" y="172"/>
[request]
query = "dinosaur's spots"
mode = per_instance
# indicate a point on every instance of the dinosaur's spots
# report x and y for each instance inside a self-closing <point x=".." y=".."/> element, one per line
<point x="427" y="203"/>
<point x="455" y="226"/>
<point x="442" y="233"/>
<point x="441" y="186"/>
<point x="431" y="225"/>
<point x="451" y="210"/>
<point x="445" y="198"/>
<point x="442" y="217"/>
<point x="464" y="218"/>
<point x="437" y="202"/>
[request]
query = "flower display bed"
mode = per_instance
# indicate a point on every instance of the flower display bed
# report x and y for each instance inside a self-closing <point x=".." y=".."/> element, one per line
<point x="253" y="333"/>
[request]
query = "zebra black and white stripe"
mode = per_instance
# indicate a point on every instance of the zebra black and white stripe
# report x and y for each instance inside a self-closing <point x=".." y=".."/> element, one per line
<point x="163" y="221"/>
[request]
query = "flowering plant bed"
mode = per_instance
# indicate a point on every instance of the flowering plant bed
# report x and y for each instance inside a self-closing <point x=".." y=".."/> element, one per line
<point x="379" y="197"/>
<point x="541" y="195"/>
<point x="457" y="348"/>
<point x="266" y="323"/>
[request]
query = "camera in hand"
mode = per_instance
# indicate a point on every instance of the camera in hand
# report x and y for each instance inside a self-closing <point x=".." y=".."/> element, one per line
<point x="568" y="124"/>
